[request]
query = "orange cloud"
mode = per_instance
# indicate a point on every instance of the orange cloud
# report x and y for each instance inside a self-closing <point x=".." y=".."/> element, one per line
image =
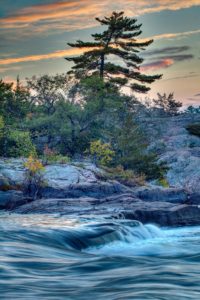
<point x="56" y="54"/>
<point x="77" y="12"/>
<point x="174" y="35"/>
<point x="160" y="64"/>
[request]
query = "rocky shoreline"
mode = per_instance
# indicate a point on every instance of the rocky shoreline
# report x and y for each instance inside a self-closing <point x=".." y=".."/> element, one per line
<point x="77" y="190"/>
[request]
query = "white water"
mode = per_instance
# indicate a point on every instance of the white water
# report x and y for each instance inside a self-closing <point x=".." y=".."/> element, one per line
<point x="52" y="257"/>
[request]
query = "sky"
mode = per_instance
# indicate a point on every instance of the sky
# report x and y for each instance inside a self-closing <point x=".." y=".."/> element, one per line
<point x="34" y="36"/>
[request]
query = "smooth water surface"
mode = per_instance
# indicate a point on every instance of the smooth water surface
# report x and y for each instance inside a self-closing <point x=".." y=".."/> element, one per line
<point x="53" y="257"/>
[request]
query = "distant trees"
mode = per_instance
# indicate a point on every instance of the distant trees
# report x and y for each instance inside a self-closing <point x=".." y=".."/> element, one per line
<point x="193" y="110"/>
<point x="167" y="104"/>
<point x="47" y="90"/>
<point x="118" y="40"/>
<point x="14" y="101"/>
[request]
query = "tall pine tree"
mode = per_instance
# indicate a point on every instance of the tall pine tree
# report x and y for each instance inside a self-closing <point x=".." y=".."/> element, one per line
<point x="118" y="40"/>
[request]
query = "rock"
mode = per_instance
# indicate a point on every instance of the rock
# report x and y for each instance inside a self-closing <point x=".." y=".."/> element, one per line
<point x="61" y="176"/>
<point x="178" y="149"/>
<point x="12" y="171"/>
<point x="180" y="215"/>
<point x="119" y="206"/>
<point x="12" y="199"/>
<point x="56" y="176"/>
<point x="4" y="183"/>
<point x="194" y="198"/>
<point x="173" y="195"/>
<point x="97" y="190"/>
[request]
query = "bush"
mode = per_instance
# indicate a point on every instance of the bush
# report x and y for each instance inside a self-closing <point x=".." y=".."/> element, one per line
<point x="34" y="179"/>
<point x="101" y="153"/>
<point x="127" y="177"/>
<point x="51" y="157"/>
<point x="194" y="129"/>
<point x="18" y="144"/>
<point x="163" y="182"/>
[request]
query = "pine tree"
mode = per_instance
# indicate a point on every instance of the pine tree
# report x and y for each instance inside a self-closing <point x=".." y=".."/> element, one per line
<point x="118" y="40"/>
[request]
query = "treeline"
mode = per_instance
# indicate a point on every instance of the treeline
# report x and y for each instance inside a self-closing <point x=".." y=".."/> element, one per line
<point x="62" y="118"/>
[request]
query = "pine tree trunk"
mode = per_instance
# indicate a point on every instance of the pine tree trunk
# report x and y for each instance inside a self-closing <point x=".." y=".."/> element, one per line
<point x="102" y="66"/>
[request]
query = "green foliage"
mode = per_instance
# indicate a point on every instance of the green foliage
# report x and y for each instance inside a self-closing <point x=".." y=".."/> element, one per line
<point x="163" y="182"/>
<point x="101" y="153"/>
<point x="194" y="129"/>
<point x="19" y="144"/>
<point x="14" y="102"/>
<point x="1" y="126"/>
<point x="118" y="40"/>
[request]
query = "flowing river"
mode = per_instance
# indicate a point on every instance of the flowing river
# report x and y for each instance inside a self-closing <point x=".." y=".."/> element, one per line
<point x="57" y="257"/>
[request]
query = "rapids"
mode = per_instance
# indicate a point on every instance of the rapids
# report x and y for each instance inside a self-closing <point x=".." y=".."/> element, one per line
<point x="54" y="257"/>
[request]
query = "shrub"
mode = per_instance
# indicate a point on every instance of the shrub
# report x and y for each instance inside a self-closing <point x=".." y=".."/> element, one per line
<point x="194" y="129"/>
<point x="34" y="178"/>
<point x="101" y="153"/>
<point x="19" y="144"/>
<point x="51" y="156"/>
<point x="127" y="177"/>
<point x="163" y="182"/>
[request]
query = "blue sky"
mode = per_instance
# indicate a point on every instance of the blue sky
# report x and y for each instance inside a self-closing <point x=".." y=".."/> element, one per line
<point x="34" y="36"/>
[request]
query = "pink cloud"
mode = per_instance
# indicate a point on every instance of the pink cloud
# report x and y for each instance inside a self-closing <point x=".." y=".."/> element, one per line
<point x="160" y="64"/>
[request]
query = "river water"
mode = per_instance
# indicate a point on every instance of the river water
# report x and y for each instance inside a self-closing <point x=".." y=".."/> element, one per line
<point x="53" y="257"/>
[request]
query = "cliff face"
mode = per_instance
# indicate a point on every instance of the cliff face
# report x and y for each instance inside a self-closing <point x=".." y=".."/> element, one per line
<point x="179" y="149"/>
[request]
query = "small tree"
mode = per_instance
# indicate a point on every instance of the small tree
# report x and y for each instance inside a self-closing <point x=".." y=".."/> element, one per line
<point x="101" y="153"/>
<point x="34" y="177"/>
<point x="167" y="104"/>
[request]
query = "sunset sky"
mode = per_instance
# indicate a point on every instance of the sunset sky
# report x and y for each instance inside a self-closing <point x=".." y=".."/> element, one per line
<point x="34" y="36"/>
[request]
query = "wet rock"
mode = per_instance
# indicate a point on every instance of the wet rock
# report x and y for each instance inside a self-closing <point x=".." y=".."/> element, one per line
<point x="194" y="198"/>
<point x="125" y="206"/>
<point x="181" y="215"/>
<point x="12" y="199"/>
<point x="97" y="190"/>
<point x="173" y="195"/>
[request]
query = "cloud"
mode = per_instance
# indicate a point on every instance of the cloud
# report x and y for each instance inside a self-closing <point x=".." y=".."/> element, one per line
<point x="156" y="65"/>
<point x="163" y="62"/>
<point x="38" y="57"/>
<point x="165" y="57"/>
<point x="182" y="77"/>
<point x="166" y="50"/>
<point x="74" y="14"/>
<point x="195" y="100"/>
<point x="180" y="57"/>
<point x="197" y="95"/>
<point x="2" y="70"/>
<point x="174" y="35"/>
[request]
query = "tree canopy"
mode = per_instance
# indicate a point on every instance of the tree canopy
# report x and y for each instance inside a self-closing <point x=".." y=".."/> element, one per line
<point x="118" y="40"/>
